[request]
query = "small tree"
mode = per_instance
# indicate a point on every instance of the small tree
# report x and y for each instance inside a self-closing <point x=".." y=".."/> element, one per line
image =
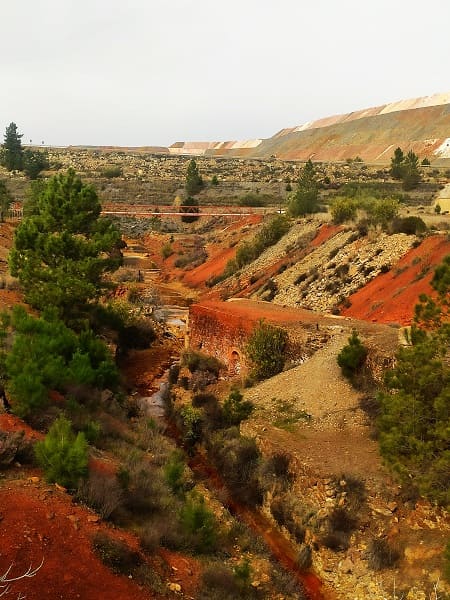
<point x="236" y="409"/>
<point x="414" y="417"/>
<point x="62" y="455"/>
<point x="305" y="199"/>
<point x="194" y="181"/>
<point x="34" y="162"/>
<point x="411" y="173"/>
<point x="265" y="349"/>
<point x="12" y="152"/>
<point x="397" y="163"/>
<point x="352" y="356"/>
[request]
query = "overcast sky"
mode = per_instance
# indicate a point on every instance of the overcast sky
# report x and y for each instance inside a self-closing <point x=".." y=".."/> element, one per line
<point x="152" y="72"/>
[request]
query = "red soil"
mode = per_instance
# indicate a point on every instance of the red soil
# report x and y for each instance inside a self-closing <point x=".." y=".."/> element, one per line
<point x="39" y="521"/>
<point x="10" y="422"/>
<point x="324" y="233"/>
<point x="217" y="259"/>
<point x="391" y="297"/>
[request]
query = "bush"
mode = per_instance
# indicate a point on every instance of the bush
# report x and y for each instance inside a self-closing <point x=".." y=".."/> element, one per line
<point x="238" y="459"/>
<point x="62" y="455"/>
<point x="409" y="225"/>
<point x="199" y="523"/>
<point x="197" y="361"/>
<point x="265" y="349"/>
<point x="173" y="473"/>
<point x="116" y="554"/>
<point x="112" y="172"/>
<point x="102" y="493"/>
<point x="380" y="555"/>
<point x="343" y="209"/>
<point x="219" y="582"/>
<point x="235" y="409"/>
<point x="166" y="250"/>
<point x="304" y="559"/>
<point x="352" y="356"/>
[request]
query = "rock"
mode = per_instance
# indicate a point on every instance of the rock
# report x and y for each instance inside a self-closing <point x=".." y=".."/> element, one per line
<point x="34" y="479"/>
<point x="346" y="565"/>
<point x="93" y="519"/>
<point x="174" y="587"/>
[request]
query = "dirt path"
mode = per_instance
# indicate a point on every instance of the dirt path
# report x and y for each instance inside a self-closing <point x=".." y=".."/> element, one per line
<point x="313" y="413"/>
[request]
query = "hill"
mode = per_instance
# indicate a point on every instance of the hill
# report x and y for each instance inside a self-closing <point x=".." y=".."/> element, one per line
<point x="420" y="124"/>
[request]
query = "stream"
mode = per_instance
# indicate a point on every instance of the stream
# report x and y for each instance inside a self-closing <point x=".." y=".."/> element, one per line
<point x="280" y="547"/>
<point x="153" y="406"/>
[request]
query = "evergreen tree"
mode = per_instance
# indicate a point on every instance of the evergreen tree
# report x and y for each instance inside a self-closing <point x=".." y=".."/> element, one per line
<point x="191" y="208"/>
<point x="46" y="355"/>
<point x="414" y="421"/>
<point x="194" y="181"/>
<point x="12" y="152"/>
<point x="34" y="162"/>
<point x="62" y="455"/>
<point x="397" y="163"/>
<point x="63" y="249"/>
<point x="305" y="199"/>
<point x="411" y="173"/>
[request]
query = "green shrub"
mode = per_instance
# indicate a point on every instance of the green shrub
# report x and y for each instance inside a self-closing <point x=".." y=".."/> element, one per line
<point x="197" y="361"/>
<point x="199" y="523"/>
<point x="173" y="473"/>
<point x="236" y="409"/>
<point x="352" y="356"/>
<point x="112" y="172"/>
<point x="62" y="455"/>
<point x="343" y="209"/>
<point x="166" y="250"/>
<point x="265" y="349"/>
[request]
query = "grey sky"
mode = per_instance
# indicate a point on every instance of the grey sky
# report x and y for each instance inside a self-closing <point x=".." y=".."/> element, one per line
<point x="149" y="72"/>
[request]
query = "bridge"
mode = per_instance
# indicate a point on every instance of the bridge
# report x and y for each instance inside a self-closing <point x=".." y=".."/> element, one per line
<point x="15" y="212"/>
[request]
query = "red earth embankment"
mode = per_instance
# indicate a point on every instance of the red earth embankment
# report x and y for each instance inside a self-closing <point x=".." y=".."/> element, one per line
<point x="39" y="522"/>
<point x="391" y="297"/>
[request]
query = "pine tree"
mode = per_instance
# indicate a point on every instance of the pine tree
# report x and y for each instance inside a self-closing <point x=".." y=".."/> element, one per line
<point x="305" y="199"/>
<point x="411" y="173"/>
<point x="191" y="208"/>
<point x="194" y="181"/>
<point x="12" y="152"/>
<point x="414" y="420"/>
<point x="63" y="249"/>
<point x="397" y="163"/>
<point x="62" y="455"/>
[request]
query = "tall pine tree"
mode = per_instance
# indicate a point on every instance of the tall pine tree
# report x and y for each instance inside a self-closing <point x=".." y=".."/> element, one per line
<point x="63" y="249"/>
<point x="12" y="152"/>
